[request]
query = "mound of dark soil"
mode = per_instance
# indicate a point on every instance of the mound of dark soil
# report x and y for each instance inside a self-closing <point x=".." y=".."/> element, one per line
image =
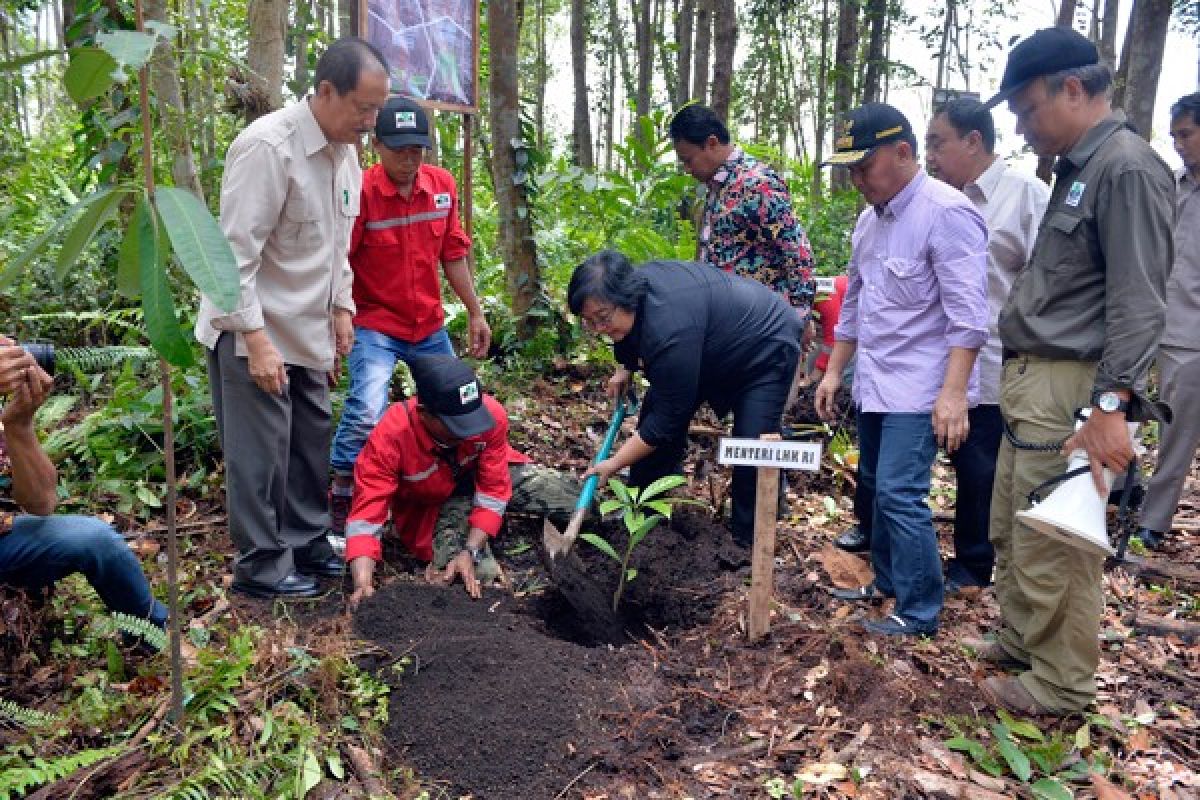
<point x="489" y="704"/>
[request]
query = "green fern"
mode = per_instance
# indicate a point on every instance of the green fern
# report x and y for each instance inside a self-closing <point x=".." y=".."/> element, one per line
<point x="98" y="359"/>
<point x="144" y="629"/>
<point x="129" y="319"/>
<point x="25" y="717"/>
<point x="15" y="781"/>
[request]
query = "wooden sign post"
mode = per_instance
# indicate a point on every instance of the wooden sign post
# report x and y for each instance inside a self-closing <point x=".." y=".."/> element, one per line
<point x="769" y="454"/>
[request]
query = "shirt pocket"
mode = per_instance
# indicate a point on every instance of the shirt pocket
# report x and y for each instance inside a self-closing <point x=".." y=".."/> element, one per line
<point x="907" y="282"/>
<point x="1063" y="243"/>
<point x="301" y="226"/>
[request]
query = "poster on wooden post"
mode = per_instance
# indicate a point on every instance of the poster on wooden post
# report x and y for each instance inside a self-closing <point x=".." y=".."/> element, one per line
<point x="432" y="48"/>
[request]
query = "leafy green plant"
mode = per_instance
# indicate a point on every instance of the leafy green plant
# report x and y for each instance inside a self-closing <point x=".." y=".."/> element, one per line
<point x="144" y="629"/>
<point x="1019" y="748"/>
<point x="642" y="510"/>
<point x="18" y="775"/>
<point x="25" y="717"/>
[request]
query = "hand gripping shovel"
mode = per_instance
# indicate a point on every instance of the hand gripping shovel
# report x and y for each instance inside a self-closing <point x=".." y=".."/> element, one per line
<point x="559" y="544"/>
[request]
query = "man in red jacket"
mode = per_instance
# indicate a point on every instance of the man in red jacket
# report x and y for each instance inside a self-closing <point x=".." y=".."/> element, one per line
<point x="440" y="465"/>
<point x="406" y="231"/>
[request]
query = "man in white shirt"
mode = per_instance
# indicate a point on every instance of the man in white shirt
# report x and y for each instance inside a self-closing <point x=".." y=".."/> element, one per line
<point x="289" y="197"/>
<point x="960" y="150"/>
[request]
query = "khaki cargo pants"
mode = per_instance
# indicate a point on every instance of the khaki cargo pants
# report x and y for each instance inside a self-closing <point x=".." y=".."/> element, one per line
<point x="537" y="490"/>
<point x="1050" y="594"/>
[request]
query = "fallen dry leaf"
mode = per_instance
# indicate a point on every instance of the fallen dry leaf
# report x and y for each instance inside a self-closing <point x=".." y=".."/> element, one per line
<point x="845" y="570"/>
<point x="1140" y="740"/>
<point x="1105" y="790"/>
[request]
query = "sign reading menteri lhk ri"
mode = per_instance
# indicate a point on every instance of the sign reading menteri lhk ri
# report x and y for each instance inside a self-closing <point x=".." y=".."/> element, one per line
<point x="768" y="453"/>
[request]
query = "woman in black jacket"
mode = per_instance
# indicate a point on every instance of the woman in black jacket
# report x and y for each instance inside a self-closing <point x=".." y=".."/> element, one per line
<point x="700" y="335"/>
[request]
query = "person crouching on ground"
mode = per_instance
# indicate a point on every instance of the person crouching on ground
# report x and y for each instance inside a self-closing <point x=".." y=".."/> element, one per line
<point x="440" y="465"/>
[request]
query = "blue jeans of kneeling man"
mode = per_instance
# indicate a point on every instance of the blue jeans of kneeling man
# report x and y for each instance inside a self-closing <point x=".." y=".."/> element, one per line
<point x="40" y="551"/>
<point x="372" y="361"/>
<point x="896" y="456"/>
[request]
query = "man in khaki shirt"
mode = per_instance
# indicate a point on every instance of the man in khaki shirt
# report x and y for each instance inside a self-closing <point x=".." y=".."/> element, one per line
<point x="289" y="197"/>
<point x="1079" y="330"/>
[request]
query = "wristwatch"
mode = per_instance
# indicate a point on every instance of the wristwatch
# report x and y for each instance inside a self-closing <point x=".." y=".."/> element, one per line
<point x="1108" y="402"/>
<point x="476" y="555"/>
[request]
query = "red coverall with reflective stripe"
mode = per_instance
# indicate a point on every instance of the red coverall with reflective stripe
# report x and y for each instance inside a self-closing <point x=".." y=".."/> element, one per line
<point x="401" y="471"/>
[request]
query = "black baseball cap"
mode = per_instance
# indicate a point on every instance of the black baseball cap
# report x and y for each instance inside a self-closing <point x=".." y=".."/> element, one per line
<point x="448" y="389"/>
<point x="402" y="123"/>
<point x="1046" y="52"/>
<point x="865" y="128"/>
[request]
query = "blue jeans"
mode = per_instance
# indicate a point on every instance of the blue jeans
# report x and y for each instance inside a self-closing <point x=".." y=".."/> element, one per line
<point x="372" y="361"/>
<point x="42" y="550"/>
<point x="896" y="456"/>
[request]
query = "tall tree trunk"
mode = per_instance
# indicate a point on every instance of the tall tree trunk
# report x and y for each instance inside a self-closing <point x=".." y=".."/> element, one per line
<point x="1141" y="65"/>
<point x="173" y="119"/>
<point x="515" y="220"/>
<point x="725" y="33"/>
<point x="701" y="52"/>
<point x="876" y="14"/>
<point x="266" y="21"/>
<point x="347" y="17"/>
<point x="1108" y="33"/>
<point x="582" y="119"/>
<point x="610" y="109"/>
<point x="302" y="26"/>
<point x="616" y="32"/>
<point x="821" y="113"/>
<point x="844" y="57"/>
<point x="540" y="73"/>
<point x="665" y="61"/>
<point x="683" y="53"/>
<point x="644" y="37"/>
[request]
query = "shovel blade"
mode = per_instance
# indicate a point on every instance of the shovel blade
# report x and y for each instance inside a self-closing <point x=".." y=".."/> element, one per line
<point x="559" y="544"/>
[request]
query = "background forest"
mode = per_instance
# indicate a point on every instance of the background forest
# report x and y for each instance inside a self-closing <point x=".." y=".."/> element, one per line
<point x="92" y="119"/>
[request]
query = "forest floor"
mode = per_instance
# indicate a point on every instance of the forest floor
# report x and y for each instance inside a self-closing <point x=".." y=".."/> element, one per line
<point x="514" y="697"/>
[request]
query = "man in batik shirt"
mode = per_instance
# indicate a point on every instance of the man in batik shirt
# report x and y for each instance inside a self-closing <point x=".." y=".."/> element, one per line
<point x="749" y="226"/>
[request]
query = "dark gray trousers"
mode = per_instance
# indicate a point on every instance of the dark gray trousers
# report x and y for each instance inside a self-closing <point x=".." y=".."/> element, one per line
<point x="276" y="465"/>
<point x="1179" y="381"/>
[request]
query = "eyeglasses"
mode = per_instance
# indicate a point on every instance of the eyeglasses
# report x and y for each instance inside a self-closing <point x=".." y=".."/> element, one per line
<point x="601" y="319"/>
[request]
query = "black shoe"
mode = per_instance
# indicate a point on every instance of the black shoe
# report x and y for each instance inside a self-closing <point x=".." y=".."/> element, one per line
<point x="952" y="587"/>
<point x="893" y="625"/>
<point x="331" y="567"/>
<point x="1153" y="540"/>
<point x="294" y="585"/>
<point x="853" y="540"/>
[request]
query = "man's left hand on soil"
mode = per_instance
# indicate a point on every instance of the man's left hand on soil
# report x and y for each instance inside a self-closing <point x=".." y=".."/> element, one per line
<point x="461" y="565"/>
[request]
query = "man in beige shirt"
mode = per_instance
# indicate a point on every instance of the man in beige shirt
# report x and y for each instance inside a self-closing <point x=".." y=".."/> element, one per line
<point x="289" y="197"/>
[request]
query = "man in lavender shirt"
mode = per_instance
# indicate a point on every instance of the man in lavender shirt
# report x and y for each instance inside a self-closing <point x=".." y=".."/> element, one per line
<point x="916" y="314"/>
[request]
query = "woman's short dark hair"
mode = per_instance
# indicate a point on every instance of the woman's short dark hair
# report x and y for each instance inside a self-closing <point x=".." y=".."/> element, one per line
<point x="345" y="60"/>
<point x="1188" y="104"/>
<point x="695" y="123"/>
<point x="606" y="276"/>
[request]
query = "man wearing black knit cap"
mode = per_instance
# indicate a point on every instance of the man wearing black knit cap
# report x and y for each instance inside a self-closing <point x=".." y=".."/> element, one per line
<point x="1079" y="330"/>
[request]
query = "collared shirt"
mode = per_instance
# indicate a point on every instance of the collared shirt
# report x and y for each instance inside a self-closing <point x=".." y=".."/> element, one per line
<point x="918" y="287"/>
<point x="402" y="474"/>
<point x="1183" y="287"/>
<point x="749" y="228"/>
<point x="1095" y="287"/>
<point x="396" y="248"/>
<point x="288" y="201"/>
<point x="1012" y="203"/>
<point x="702" y="335"/>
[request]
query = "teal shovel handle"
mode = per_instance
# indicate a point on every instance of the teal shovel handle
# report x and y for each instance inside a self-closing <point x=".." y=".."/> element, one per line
<point x="624" y="405"/>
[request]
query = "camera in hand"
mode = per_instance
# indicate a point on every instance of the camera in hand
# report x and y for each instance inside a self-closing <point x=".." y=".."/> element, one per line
<point x="43" y="354"/>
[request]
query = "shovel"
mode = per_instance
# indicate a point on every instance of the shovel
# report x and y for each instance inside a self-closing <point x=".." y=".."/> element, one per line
<point x="559" y="544"/>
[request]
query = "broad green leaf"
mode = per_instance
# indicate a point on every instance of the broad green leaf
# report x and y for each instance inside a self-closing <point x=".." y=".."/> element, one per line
<point x="964" y="745"/>
<point x="1021" y="727"/>
<point x="1051" y="789"/>
<point x="267" y="731"/>
<point x="310" y="774"/>
<point x="663" y="484"/>
<point x="635" y="538"/>
<point x="29" y="58"/>
<point x="609" y="506"/>
<point x="633" y="520"/>
<point x="140" y="242"/>
<point x="1083" y="737"/>
<point x="620" y="490"/>
<point x="128" y="48"/>
<point x="335" y="766"/>
<point x="148" y="497"/>
<point x="90" y="73"/>
<point x="600" y="544"/>
<point x="663" y="507"/>
<point x="99" y="211"/>
<point x="200" y="246"/>
<point x="158" y="307"/>
<point x="1017" y="761"/>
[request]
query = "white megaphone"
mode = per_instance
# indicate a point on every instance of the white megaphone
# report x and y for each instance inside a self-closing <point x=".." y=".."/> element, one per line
<point x="1074" y="513"/>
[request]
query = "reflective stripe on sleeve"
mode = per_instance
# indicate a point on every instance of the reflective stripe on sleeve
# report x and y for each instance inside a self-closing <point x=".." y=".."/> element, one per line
<point x="489" y="502"/>
<point x="360" y="527"/>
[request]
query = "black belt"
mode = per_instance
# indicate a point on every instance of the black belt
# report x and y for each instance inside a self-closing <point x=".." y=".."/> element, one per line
<point x="1006" y="354"/>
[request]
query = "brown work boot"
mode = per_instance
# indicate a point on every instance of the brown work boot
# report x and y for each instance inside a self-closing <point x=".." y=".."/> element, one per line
<point x="1010" y="693"/>
<point x="993" y="651"/>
